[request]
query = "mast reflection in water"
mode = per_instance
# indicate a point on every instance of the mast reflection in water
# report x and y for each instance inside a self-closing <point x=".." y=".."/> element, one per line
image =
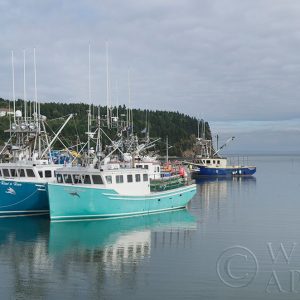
<point x="24" y="257"/>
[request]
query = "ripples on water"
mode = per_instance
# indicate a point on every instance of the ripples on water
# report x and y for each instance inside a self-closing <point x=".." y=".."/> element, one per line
<point x="237" y="240"/>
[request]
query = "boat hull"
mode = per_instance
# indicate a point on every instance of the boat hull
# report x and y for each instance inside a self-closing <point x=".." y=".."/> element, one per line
<point x="77" y="202"/>
<point x="23" y="198"/>
<point x="228" y="171"/>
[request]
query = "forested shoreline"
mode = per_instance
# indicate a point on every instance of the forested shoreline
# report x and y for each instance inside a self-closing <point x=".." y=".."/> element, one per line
<point x="180" y="128"/>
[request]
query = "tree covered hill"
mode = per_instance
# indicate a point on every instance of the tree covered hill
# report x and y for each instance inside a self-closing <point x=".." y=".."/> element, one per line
<point x="180" y="129"/>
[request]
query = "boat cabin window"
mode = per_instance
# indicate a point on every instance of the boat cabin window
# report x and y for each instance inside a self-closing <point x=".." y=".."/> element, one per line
<point x="146" y="167"/>
<point x="41" y="174"/>
<point x="48" y="173"/>
<point x="76" y="178"/>
<point x="214" y="161"/>
<point x="139" y="166"/>
<point x="67" y="178"/>
<point x="145" y="177"/>
<point x="137" y="177"/>
<point x="0" y="173"/>
<point x="86" y="179"/>
<point x="129" y="178"/>
<point x="13" y="172"/>
<point x="208" y="161"/>
<point x="119" y="179"/>
<point x="59" y="178"/>
<point x="6" y="173"/>
<point x="30" y="173"/>
<point x="22" y="173"/>
<point x="97" y="179"/>
<point x="218" y="162"/>
<point x="108" y="179"/>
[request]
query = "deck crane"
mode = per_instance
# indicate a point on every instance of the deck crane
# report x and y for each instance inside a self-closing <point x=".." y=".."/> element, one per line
<point x="224" y="145"/>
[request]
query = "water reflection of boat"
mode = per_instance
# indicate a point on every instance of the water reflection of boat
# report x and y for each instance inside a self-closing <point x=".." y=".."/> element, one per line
<point x="126" y="236"/>
<point x="245" y="179"/>
<point x="27" y="229"/>
<point x="24" y="256"/>
<point x="218" y="189"/>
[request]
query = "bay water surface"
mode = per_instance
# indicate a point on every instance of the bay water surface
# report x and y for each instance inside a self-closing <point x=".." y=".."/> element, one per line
<point x="239" y="239"/>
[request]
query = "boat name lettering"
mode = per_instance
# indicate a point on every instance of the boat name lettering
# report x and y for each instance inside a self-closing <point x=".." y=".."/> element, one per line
<point x="10" y="183"/>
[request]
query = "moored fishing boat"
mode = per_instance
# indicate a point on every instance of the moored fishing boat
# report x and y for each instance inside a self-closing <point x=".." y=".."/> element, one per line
<point x="111" y="185"/>
<point x="218" y="167"/>
<point x="102" y="193"/>
<point x="25" y="172"/>
<point x="208" y="162"/>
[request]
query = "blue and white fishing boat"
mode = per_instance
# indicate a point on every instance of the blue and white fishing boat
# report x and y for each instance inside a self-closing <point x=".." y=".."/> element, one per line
<point x="208" y="162"/>
<point x="25" y="171"/>
<point x="217" y="166"/>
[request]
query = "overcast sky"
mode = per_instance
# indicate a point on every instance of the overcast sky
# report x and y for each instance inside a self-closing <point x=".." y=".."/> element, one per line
<point x="235" y="63"/>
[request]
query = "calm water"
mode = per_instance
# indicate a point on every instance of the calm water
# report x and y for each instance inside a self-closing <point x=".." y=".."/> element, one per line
<point x="239" y="239"/>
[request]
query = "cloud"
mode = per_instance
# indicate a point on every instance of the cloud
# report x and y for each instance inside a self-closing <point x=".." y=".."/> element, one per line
<point x="220" y="59"/>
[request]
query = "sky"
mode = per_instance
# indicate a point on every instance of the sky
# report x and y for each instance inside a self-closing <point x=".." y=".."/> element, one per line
<point x="235" y="63"/>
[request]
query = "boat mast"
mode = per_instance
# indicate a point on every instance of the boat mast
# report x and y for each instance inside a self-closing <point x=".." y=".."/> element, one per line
<point x="203" y="129"/>
<point x="90" y="100"/>
<point x="117" y="99"/>
<point x="24" y="85"/>
<point x="98" y="145"/>
<point x="130" y="114"/>
<point x="13" y="84"/>
<point x="107" y="87"/>
<point x="37" y="108"/>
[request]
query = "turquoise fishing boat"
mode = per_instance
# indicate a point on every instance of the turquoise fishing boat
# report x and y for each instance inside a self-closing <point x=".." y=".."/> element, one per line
<point x="86" y="192"/>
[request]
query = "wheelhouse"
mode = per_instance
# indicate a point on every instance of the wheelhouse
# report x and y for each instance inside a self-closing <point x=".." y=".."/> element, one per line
<point x="27" y="172"/>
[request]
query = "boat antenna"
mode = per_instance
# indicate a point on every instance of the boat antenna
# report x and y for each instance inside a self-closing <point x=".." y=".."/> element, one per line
<point x="147" y="126"/>
<point x="149" y="123"/>
<point x="167" y="148"/>
<point x="24" y="84"/>
<point x="13" y="83"/>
